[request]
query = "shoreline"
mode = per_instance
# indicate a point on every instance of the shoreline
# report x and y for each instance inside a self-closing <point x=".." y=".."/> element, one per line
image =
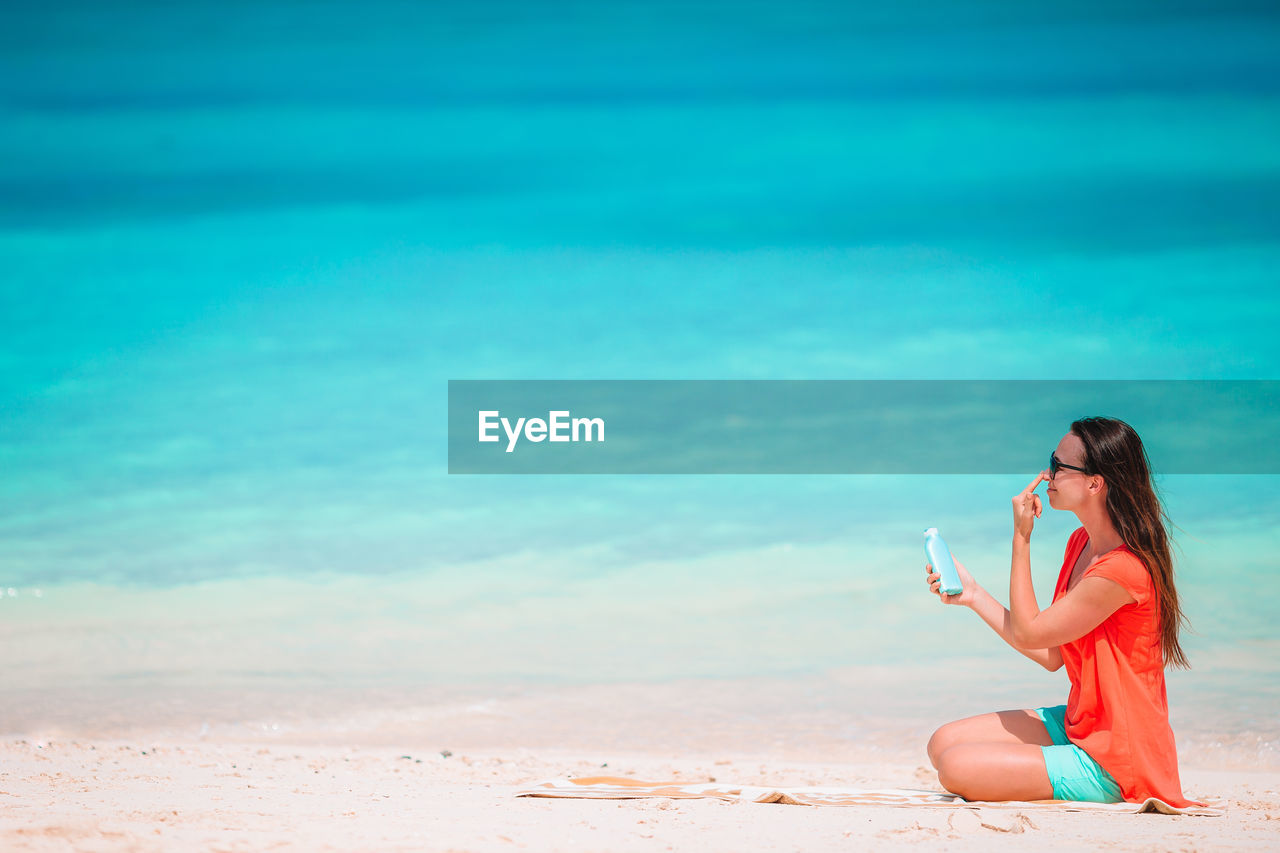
<point x="856" y="713"/>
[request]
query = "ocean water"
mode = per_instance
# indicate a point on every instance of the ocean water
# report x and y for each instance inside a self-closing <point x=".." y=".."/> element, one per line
<point x="246" y="246"/>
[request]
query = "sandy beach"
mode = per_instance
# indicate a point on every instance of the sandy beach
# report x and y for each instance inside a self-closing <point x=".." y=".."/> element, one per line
<point x="411" y="775"/>
<point x="254" y="253"/>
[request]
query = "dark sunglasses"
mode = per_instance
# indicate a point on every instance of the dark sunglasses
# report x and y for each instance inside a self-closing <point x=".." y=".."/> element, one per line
<point x="1054" y="465"/>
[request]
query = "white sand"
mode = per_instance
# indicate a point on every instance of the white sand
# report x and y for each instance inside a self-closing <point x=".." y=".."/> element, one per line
<point x="246" y="796"/>
<point x="375" y="778"/>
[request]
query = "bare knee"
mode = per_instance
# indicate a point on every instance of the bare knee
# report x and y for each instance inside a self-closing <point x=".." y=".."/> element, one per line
<point x="950" y="771"/>
<point x="961" y="771"/>
<point x="941" y="740"/>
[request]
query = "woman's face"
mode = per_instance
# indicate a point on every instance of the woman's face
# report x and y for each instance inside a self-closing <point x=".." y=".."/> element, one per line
<point x="1068" y="487"/>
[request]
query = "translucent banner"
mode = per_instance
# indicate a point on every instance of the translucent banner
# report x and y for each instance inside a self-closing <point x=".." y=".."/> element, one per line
<point x="848" y="426"/>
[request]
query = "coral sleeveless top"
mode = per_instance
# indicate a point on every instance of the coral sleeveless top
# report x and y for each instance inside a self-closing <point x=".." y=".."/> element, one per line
<point x="1117" y="710"/>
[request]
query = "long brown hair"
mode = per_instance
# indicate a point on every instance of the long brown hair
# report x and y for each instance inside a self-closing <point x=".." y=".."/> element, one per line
<point x="1113" y="450"/>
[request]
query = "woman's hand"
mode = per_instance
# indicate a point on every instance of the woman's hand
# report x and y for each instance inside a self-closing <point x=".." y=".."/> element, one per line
<point x="965" y="596"/>
<point x="1027" y="508"/>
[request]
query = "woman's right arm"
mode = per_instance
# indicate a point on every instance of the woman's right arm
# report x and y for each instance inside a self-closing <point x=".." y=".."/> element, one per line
<point x="998" y="617"/>
<point x="992" y="612"/>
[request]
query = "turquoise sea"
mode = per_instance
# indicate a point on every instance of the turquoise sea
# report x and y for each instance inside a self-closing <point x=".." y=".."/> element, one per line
<point x="246" y="245"/>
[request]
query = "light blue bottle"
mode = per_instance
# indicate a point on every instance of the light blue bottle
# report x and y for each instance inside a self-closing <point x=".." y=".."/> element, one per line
<point x="940" y="558"/>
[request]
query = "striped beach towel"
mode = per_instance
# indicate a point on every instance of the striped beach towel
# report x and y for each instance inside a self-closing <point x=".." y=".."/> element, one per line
<point x="619" y="788"/>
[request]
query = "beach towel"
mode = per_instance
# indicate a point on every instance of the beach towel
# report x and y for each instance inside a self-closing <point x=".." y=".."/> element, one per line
<point x="619" y="788"/>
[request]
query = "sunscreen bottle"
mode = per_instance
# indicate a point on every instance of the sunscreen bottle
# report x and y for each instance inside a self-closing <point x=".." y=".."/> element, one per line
<point x="940" y="558"/>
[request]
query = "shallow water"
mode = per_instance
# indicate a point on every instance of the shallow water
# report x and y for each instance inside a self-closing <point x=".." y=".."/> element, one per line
<point x="245" y="251"/>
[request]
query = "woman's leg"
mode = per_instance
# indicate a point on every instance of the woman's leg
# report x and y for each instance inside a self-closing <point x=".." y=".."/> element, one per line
<point x="993" y="757"/>
<point x="999" y="727"/>
<point x="996" y="772"/>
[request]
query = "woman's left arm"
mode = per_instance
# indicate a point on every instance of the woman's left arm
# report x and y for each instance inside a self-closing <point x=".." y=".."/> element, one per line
<point x="1084" y="608"/>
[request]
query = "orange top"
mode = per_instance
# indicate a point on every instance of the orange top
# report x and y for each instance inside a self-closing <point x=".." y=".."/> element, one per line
<point x="1117" y="710"/>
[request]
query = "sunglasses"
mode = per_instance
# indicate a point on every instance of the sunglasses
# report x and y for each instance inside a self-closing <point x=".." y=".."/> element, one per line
<point x="1055" y="465"/>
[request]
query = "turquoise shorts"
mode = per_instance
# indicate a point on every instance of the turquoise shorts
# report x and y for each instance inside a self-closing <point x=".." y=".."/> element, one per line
<point x="1072" y="771"/>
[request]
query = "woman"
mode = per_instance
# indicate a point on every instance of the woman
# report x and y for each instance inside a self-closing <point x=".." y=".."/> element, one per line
<point x="1114" y="623"/>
